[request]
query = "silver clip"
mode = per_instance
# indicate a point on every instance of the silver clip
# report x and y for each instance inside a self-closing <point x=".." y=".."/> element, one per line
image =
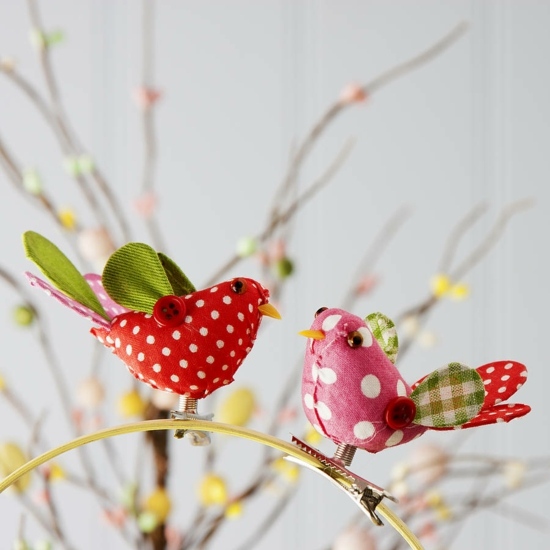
<point x="187" y="410"/>
<point x="365" y="494"/>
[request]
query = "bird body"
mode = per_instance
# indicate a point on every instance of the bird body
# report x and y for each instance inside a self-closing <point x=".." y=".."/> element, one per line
<point x="197" y="355"/>
<point x="169" y="335"/>
<point x="353" y="394"/>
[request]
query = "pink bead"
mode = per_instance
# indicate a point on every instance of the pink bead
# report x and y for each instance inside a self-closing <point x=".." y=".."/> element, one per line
<point x="146" y="205"/>
<point x="146" y="97"/>
<point x="353" y="93"/>
<point x="428" y="462"/>
<point x="90" y="393"/>
<point x="355" y="537"/>
<point x="95" y="244"/>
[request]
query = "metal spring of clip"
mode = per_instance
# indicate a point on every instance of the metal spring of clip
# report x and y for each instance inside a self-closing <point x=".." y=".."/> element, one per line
<point x="365" y="494"/>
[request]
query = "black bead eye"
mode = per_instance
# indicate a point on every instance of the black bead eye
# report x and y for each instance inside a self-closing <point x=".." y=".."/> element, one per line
<point x="238" y="286"/>
<point x="320" y="310"/>
<point x="355" y="339"/>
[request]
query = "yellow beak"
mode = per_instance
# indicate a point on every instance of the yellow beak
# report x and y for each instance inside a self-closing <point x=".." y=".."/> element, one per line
<point x="269" y="310"/>
<point x="315" y="334"/>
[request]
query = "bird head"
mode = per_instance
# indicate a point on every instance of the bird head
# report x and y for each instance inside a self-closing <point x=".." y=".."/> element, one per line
<point x="336" y="330"/>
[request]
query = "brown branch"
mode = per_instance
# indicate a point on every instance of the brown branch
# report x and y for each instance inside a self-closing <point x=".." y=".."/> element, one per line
<point x="15" y="176"/>
<point x="492" y="237"/>
<point x="318" y="129"/>
<point x="291" y="210"/>
<point x="456" y="235"/>
<point x="421" y="310"/>
<point x="148" y="120"/>
<point x="57" y="118"/>
<point x="37" y="514"/>
<point x="159" y="444"/>
<point x="375" y="250"/>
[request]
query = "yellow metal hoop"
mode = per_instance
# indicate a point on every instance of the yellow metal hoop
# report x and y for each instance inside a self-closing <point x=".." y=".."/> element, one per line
<point x="207" y="426"/>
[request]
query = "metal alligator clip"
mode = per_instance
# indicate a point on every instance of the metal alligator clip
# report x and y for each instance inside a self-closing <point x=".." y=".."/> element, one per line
<point x="187" y="410"/>
<point x="365" y="494"/>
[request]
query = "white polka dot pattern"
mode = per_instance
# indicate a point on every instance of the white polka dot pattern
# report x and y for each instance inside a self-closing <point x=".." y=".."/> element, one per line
<point x="345" y="390"/>
<point x="218" y="332"/>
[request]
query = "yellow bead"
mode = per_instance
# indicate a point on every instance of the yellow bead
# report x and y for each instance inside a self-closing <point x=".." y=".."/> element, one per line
<point x="57" y="473"/>
<point x="441" y="285"/>
<point x="67" y="217"/>
<point x="234" y="510"/>
<point x="2" y="383"/>
<point x="286" y="469"/>
<point x="237" y="408"/>
<point x="312" y="436"/>
<point x="131" y="404"/>
<point x="460" y="291"/>
<point x="434" y="498"/>
<point x="212" y="490"/>
<point x="443" y="513"/>
<point x="11" y="458"/>
<point x="514" y="474"/>
<point x="159" y="504"/>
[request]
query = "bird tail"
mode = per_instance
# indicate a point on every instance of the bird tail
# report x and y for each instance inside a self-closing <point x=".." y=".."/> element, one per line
<point x="501" y="380"/>
<point x="111" y="308"/>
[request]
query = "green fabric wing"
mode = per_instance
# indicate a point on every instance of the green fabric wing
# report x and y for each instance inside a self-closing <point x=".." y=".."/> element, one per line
<point x="135" y="278"/>
<point x="383" y="330"/>
<point x="450" y="396"/>
<point x="181" y="285"/>
<point x="60" y="271"/>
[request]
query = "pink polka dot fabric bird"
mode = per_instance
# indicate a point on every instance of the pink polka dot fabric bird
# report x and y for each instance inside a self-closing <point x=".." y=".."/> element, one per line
<point x="168" y="334"/>
<point x="353" y="394"/>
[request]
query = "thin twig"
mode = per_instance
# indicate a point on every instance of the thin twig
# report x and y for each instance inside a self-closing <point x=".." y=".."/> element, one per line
<point x="15" y="176"/>
<point x="66" y="135"/>
<point x="421" y="310"/>
<point x="303" y="150"/>
<point x="377" y="247"/>
<point x="263" y="527"/>
<point x="527" y="517"/>
<point x="291" y="210"/>
<point x="148" y="119"/>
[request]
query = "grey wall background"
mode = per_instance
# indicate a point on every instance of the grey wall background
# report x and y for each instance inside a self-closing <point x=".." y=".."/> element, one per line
<point x="242" y="80"/>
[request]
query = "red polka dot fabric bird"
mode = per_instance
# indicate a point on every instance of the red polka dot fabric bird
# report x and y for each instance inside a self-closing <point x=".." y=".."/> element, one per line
<point x="170" y="335"/>
<point x="353" y="394"/>
<point x="199" y="347"/>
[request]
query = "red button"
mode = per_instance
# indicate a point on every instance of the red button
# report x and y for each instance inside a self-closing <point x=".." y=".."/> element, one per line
<point x="169" y="311"/>
<point x="400" y="412"/>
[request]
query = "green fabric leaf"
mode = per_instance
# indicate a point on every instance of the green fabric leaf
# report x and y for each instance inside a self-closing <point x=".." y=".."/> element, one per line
<point x="383" y="330"/>
<point x="60" y="271"/>
<point x="181" y="285"/>
<point x="134" y="277"/>
<point x="450" y="396"/>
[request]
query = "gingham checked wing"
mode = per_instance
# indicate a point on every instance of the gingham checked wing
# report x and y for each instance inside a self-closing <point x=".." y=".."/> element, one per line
<point x="450" y="396"/>
<point x="383" y="330"/>
<point x="501" y="380"/>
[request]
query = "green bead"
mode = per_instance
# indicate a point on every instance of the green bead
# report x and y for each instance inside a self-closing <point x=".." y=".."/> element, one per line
<point x="55" y="37"/>
<point x="72" y="166"/>
<point x="20" y="544"/>
<point x="43" y="545"/>
<point x="86" y="164"/>
<point x="32" y="182"/>
<point x="284" y="268"/>
<point x="23" y="315"/>
<point x="128" y="496"/>
<point x="246" y="246"/>
<point x="37" y="38"/>
<point x="147" y="522"/>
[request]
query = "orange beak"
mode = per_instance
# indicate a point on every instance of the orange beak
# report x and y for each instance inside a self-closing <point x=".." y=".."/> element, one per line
<point x="269" y="310"/>
<point x="315" y="334"/>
